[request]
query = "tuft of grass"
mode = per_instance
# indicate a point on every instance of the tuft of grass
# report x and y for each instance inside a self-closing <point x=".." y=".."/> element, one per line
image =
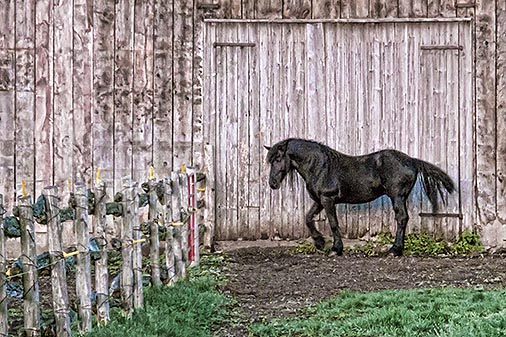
<point x="190" y="308"/>
<point x="446" y="312"/>
<point x="424" y="244"/>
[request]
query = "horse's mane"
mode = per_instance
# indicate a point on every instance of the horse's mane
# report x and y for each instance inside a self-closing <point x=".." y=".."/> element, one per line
<point x="330" y="152"/>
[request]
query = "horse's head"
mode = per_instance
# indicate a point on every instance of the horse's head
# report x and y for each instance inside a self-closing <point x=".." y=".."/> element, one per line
<point x="280" y="162"/>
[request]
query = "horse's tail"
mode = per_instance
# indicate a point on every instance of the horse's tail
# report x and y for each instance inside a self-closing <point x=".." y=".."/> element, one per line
<point x="434" y="181"/>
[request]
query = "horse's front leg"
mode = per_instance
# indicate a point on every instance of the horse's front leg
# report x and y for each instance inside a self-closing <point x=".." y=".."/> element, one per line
<point x="330" y="209"/>
<point x="319" y="241"/>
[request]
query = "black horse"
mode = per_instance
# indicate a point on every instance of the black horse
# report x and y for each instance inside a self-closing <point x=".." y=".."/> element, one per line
<point x="332" y="178"/>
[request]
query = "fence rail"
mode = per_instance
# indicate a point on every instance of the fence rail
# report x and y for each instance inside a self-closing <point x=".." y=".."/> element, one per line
<point x="171" y="223"/>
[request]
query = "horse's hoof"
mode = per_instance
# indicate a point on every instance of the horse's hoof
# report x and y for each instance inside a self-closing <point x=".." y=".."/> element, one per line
<point x="319" y="243"/>
<point x="396" y="251"/>
<point x="338" y="250"/>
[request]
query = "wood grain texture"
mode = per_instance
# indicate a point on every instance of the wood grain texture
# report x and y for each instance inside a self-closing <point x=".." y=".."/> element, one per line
<point x="485" y="111"/>
<point x="4" y="313"/>
<point x="62" y="96"/>
<point x="269" y="9"/>
<point x="43" y="97"/>
<point x="82" y="85"/>
<point x="123" y="95"/>
<point x="383" y="8"/>
<point x="182" y="94"/>
<point x="197" y="87"/>
<point x="143" y="89"/>
<point x="299" y="9"/>
<point x="25" y="94"/>
<point x="412" y="8"/>
<point x="326" y="9"/>
<point x="354" y="8"/>
<point x="163" y="88"/>
<point x="7" y="104"/>
<point x="103" y="91"/>
<point x="501" y="110"/>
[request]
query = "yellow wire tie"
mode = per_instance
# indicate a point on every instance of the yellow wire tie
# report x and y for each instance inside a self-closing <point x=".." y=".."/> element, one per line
<point x="98" y="179"/>
<point x="138" y="241"/>
<point x="178" y="224"/>
<point x="65" y="255"/>
<point x="8" y="272"/>
<point x="201" y="189"/>
<point x="151" y="173"/>
<point x="23" y="188"/>
<point x="183" y="169"/>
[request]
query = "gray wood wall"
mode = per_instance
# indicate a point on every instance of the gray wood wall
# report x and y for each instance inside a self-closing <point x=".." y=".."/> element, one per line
<point x="118" y="85"/>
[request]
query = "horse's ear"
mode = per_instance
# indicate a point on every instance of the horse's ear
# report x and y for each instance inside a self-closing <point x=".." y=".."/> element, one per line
<point x="267" y="147"/>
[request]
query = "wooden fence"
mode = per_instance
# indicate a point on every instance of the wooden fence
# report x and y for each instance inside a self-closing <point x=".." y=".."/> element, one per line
<point x="171" y="223"/>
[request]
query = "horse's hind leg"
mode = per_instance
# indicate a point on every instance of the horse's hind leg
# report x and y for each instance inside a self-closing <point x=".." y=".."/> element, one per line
<point x="402" y="217"/>
<point x="319" y="241"/>
<point x="330" y="210"/>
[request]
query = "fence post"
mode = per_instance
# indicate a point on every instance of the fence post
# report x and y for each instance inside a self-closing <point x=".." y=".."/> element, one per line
<point x="192" y="220"/>
<point x="154" y="251"/>
<point x="4" y="328"/>
<point x="137" y="249"/>
<point x="185" y="215"/>
<point x="169" y="246"/>
<point x="101" y="271"/>
<point x="83" y="271"/>
<point x="29" y="267"/>
<point x="58" y="274"/>
<point x="180" y="270"/>
<point x="209" y="198"/>
<point x="126" y="281"/>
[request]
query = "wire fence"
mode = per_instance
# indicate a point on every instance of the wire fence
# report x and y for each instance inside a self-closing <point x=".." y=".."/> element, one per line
<point x="171" y="223"/>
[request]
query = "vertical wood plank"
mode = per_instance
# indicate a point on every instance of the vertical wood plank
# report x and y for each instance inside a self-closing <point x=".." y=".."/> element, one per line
<point x="123" y="97"/>
<point x="82" y="84"/>
<point x="467" y="116"/>
<point x="296" y="9"/>
<point x="25" y="94"/>
<point x="485" y="111"/>
<point x="62" y="93"/>
<point x="276" y="105"/>
<point x="44" y="98"/>
<point x="330" y="9"/>
<point x="231" y="129"/>
<point x="265" y="73"/>
<point x="143" y="87"/>
<point x="103" y="91"/>
<point x="154" y="240"/>
<point x="210" y="193"/>
<point x="182" y="95"/>
<point x="256" y="154"/>
<point x="243" y="121"/>
<point x="7" y="102"/>
<point x="501" y="110"/>
<point x="220" y="140"/>
<point x="162" y="95"/>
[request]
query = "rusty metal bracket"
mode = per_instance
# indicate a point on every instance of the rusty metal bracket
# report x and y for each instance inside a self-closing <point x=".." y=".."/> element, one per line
<point x="234" y="44"/>
<point x="441" y="215"/>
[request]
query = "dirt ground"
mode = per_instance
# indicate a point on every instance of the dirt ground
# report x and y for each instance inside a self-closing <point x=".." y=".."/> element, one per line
<point x="273" y="282"/>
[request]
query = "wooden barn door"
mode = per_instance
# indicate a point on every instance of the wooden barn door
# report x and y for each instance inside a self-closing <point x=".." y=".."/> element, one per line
<point x="357" y="87"/>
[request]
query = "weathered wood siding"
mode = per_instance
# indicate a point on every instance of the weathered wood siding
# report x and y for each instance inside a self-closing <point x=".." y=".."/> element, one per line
<point x="119" y="85"/>
<point x="356" y="87"/>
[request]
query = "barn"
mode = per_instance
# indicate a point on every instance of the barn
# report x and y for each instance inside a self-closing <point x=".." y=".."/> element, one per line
<point x="124" y="85"/>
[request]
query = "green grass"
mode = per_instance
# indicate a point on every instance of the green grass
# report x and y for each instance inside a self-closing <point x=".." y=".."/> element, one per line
<point x="188" y="309"/>
<point x="397" y="313"/>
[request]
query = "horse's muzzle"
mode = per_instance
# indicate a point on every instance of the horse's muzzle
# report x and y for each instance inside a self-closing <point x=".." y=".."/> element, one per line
<point x="274" y="184"/>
